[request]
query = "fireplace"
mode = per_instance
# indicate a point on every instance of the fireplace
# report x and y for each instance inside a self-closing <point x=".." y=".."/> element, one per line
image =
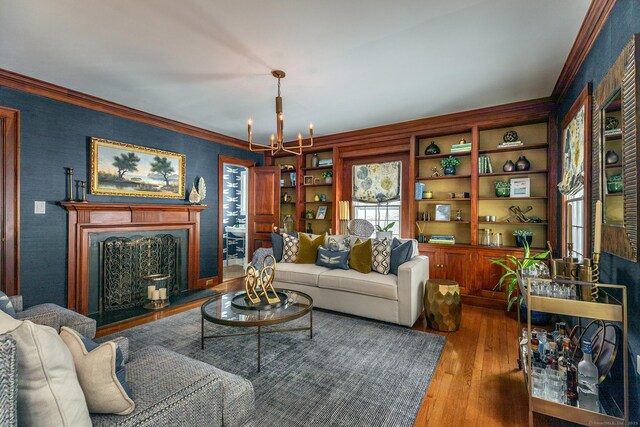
<point x="112" y="246"/>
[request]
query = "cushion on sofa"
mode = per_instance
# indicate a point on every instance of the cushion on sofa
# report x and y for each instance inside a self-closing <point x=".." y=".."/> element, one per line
<point x="308" y="249"/>
<point x="360" y="259"/>
<point x="373" y="284"/>
<point x="381" y="255"/>
<point x="290" y="248"/>
<point x="332" y="259"/>
<point x="400" y="253"/>
<point x="49" y="393"/>
<point x="277" y="243"/>
<point x="337" y="242"/>
<point x="303" y="274"/>
<point x="96" y="367"/>
<point x="6" y="306"/>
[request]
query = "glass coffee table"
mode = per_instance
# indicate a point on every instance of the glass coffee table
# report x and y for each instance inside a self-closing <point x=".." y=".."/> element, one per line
<point x="220" y="310"/>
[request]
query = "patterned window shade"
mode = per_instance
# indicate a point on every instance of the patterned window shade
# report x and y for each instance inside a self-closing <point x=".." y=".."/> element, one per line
<point x="376" y="182"/>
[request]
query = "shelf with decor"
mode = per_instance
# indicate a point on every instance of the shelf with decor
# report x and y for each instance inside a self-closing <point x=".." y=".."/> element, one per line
<point x="317" y="166"/>
<point x="523" y="147"/>
<point x="527" y="172"/>
<point x="288" y="190"/>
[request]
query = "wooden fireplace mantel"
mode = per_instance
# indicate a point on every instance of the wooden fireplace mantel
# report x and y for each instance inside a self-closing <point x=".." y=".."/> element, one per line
<point x="94" y="217"/>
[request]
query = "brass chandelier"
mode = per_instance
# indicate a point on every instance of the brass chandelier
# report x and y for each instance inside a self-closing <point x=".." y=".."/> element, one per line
<point x="276" y="142"/>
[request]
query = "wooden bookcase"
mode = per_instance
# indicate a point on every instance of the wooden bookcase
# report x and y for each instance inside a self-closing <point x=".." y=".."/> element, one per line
<point x="288" y="165"/>
<point x="318" y="188"/>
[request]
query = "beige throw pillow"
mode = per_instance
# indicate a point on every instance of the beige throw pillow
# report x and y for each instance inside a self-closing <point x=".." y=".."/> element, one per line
<point x="48" y="390"/>
<point x="97" y="375"/>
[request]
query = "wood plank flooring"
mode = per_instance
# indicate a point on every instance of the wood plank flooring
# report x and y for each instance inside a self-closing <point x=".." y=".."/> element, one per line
<point x="476" y="383"/>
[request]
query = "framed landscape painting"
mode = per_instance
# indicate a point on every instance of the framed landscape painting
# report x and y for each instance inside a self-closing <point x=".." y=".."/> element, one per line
<point x="120" y="169"/>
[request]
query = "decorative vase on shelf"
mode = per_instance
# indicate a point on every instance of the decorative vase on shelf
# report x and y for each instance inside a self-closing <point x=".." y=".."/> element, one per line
<point x="449" y="170"/>
<point x="611" y="157"/>
<point x="432" y="149"/>
<point x="523" y="164"/>
<point x="510" y="136"/>
<point x="316" y="198"/>
<point x="328" y="180"/>
<point x="520" y="240"/>
<point x="508" y="166"/>
<point x="611" y="123"/>
<point x="287" y="224"/>
<point x="315" y="160"/>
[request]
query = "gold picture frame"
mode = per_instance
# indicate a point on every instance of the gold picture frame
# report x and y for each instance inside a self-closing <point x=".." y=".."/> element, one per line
<point x="121" y="169"/>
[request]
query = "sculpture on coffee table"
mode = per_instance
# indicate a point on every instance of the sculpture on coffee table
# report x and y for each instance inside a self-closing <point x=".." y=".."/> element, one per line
<point x="260" y="294"/>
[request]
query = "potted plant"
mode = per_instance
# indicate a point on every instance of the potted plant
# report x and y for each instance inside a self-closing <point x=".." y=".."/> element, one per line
<point x="523" y="238"/>
<point x="309" y="215"/>
<point x="509" y="280"/>
<point x="614" y="184"/>
<point x="449" y="165"/>
<point x="328" y="176"/>
<point x="384" y="233"/>
<point x="503" y="188"/>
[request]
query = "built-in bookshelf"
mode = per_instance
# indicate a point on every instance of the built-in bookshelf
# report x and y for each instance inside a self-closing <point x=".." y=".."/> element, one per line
<point x="317" y="191"/>
<point x="288" y="189"/>
<point x="613" y="203"/>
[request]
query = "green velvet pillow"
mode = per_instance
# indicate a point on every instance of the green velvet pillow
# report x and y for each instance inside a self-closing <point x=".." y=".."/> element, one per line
<point x="308" y="250"/>
<point x="360" y="259"/>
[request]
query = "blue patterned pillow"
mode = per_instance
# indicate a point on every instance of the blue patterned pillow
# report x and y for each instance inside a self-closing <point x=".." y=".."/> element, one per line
<point x="332" y="259"/>
<point x="6" y="306"/>
<point x="400" y="253"/>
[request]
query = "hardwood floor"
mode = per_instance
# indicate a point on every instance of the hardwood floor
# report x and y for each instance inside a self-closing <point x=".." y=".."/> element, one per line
<point x="476" y="383"/>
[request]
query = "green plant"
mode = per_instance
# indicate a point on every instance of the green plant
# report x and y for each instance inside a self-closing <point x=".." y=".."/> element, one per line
<point x="450" y="162"/>
<point x="615" y="178"/>
<point x="522" y="233"/>
<point x="511" y="265"/>
<point x="503" y="184"/>
<point x="327" y="174"/>
<point x="387" y="227"/>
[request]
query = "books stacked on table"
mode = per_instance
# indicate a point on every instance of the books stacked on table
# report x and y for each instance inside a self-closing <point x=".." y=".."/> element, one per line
<point x="484" y="165"/>
<point x="443" y="239"/>
<point x="461" y="148"/>
<point x="510" y="144"/>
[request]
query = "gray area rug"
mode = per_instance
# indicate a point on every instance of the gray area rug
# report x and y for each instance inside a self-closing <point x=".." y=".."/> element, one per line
<point x="354" y="372"/>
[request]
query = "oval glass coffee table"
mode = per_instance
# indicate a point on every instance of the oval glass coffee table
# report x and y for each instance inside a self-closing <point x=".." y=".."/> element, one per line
<point x="219" y="310"/>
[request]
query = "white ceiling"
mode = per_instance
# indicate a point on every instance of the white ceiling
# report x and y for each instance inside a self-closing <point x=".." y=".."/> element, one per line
<point x="349" y="64"/>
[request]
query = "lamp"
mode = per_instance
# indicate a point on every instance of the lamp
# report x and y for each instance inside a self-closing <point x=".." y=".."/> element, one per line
<point x="276" y="142"/>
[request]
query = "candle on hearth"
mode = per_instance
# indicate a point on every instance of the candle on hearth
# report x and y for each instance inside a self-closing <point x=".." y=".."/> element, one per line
<point x="150" y="290"/>
<point x="163" y="293"/>
<point x="598" y="228"/>
<point x="569" y="224"/>
<point x="156" y="295"/>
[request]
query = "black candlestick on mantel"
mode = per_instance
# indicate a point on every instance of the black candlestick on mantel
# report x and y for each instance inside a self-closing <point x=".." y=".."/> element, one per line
<point x="83" y="187"/>
<point x="69" y="172"/>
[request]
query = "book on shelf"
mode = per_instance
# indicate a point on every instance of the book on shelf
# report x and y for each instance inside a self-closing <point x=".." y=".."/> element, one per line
<point x="442" y="242"/>
<point x="510" y="144"/>
<point x="444" y="239"/>
<point x="325" y="162"/>
<point x="461" y="148"/>
<point x="484" y="165"/>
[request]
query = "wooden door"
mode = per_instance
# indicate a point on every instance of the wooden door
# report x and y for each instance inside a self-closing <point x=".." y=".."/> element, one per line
<point x="455" y="265"/>
<point x="488" y="274"/>
<point x="434" y="262"/>
<point x="264" y="206"/>
<point x="9" y="201"/>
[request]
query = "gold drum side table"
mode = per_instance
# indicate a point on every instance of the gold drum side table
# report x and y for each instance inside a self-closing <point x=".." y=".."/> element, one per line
<point x="442" y="305"/>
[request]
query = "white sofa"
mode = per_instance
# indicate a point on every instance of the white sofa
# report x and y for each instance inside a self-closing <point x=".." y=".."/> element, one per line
<point x="390" y="298"/>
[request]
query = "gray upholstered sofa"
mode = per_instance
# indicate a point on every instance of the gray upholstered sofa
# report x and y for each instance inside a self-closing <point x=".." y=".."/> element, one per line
<point x="169" y="389"/>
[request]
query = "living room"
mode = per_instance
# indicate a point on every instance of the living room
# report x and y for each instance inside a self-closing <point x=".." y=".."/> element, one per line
<point x="445" y="232"/>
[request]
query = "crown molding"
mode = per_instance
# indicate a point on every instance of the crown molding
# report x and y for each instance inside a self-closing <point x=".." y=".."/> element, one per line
<point x="34" y="86"/>
<point x="593" y="22"/>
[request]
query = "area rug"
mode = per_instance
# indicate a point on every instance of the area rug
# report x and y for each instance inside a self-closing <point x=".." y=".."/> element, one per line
<point x="354" y="372"/>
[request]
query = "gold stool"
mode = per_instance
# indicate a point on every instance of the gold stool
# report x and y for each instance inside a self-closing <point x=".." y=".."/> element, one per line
<point x="442" y="305"/>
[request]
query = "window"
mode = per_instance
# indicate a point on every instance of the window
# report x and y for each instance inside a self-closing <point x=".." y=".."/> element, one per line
<point x="379" y="214"/>
<point x="578" y="226"/>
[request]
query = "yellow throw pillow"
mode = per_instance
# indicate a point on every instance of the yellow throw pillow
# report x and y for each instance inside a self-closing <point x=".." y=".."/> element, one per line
<point x="360" y="259"/>
<point x="308" y="251"/>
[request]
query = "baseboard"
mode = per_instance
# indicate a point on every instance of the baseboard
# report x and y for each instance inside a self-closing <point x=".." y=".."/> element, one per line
<point x="484" y="302"/>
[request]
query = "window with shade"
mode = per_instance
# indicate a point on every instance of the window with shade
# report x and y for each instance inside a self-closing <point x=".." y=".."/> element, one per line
<point x="379" y="214"/>
<point x="577" y="232"/>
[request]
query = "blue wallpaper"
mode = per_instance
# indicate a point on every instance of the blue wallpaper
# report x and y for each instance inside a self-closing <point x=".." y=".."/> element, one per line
<point x="231" y="211"/>
<point x="54" y="135"/>
<point x="623" y="22"/>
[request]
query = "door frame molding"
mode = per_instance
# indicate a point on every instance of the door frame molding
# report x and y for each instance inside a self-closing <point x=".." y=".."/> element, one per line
<point x="222" y="159"/>
<point x="10" y="212"/>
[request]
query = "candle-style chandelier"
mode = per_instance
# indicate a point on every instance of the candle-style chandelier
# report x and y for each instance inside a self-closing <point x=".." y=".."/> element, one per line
<point x="276" y="142"/>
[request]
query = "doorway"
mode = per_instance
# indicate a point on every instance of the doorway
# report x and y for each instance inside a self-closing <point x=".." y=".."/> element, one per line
<point x="233" y="191"/>
<point x="9" y="201"/>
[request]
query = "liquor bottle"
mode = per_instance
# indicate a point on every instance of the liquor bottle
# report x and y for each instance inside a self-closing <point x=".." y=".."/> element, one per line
<point x="542" y="338"/>
<point x="535" y="355"/>
<point x="309" y="230"/>
<point x="588" y="380"/>
<point x="569" y="370"/>
<point x="560" y="334"/>
<point x="552" y="357"/>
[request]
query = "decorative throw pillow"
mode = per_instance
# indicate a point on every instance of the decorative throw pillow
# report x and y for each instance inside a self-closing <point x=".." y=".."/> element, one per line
<point x="48" y="390"/>
<point x="290" y="248"/>
<point x="400" y="253"/>
<point x="338" y="243"/>
<point x="277" y="244"/>
<point x="308" y="249"/>
<point x="6" y="306"/>
<point x="96" y="366"/>
<point x="381" y="255"/>
<point x="360" y="259"/>
<point x="332" y="259"/>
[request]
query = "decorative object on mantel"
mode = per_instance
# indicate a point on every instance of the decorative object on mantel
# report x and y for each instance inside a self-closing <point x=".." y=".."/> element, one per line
<point x="276" y="143"/>
<point x="432" y="149"/>
<point x="202" y="189"/>
<point x="508" y="166"/>
<point x="522" y="164"/>
<point x="83" y="191"/>
<point x="611" y="123"/>
<point x="114" y="164"/>
<point x="194" y="197"/>
<point x="449" y="165"/>
<point x="510" y="136"/>
<point x="69" y="173"/>
<point x="157" y="293"/>
<point x="611" y="157"/>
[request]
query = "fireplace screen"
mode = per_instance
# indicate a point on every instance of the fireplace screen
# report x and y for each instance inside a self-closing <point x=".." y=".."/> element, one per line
<point x="125" y="262"/>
